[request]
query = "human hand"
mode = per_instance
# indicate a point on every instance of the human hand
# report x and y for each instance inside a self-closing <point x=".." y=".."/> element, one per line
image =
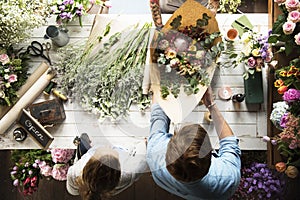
<point x="207" y="98"/>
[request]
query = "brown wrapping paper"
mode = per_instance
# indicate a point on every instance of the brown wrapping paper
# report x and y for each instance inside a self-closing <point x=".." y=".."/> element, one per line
<point x="179" y="108"/>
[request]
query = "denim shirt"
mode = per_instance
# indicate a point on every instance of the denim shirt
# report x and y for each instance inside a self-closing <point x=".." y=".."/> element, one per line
<point x="222" y="179"/>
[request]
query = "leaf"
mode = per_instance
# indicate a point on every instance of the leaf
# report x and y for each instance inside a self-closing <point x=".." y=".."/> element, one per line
<point x="176" y="22"/>
<point x="273" y="38"/>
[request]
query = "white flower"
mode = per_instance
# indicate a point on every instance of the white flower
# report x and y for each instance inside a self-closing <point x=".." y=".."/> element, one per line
<point x="2" y="94"/>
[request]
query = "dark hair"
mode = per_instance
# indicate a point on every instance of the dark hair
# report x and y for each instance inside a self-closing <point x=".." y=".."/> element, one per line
<point x="99" y="177"/>
<point x="188" y="156"/>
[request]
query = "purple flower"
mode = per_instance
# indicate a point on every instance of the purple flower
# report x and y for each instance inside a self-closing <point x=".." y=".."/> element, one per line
<point x="62" y="7"/>
<point x="80" y="7"/>
<point x="13" y="172"/>
<point x="78" y="12"/>
<point x="251" y="62"/>
<point x="293" y="144"/>
<point x="16" y="182"/>
<point x="266" y="138"/>
<point x="274" y="142"/>
<point x="291" y="95"/>
<point x="284" y="120"/>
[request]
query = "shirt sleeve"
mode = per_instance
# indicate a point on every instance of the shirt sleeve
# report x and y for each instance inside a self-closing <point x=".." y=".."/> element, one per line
<point x="72" y="187"/>
<point x="230" y="150"/>
<point x="159" y="121"/>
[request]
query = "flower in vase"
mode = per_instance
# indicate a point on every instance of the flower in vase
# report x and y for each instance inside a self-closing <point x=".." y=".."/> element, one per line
<point x="286" y="28"/>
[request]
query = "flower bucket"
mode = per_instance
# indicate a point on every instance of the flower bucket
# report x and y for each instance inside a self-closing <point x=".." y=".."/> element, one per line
<point x="178" y="106"/>
<point x="254" y="89"/>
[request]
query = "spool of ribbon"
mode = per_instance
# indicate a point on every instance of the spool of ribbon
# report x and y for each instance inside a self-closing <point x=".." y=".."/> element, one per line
<point x="207" y="116"/>
<point x="225" y="93"/>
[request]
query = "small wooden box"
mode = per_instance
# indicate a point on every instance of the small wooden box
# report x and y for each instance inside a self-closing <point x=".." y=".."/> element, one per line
<point x="48" y="112"/>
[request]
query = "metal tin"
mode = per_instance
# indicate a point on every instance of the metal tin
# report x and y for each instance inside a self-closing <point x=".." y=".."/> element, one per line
<point x="19" y="134"/>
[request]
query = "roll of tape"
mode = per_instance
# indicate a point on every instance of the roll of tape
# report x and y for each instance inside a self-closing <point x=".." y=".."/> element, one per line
<point x="225" y="93"/>
<point x="207" y="116"/>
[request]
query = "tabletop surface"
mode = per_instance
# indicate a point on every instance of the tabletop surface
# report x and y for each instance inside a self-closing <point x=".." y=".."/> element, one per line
<point x="248" y="121"/>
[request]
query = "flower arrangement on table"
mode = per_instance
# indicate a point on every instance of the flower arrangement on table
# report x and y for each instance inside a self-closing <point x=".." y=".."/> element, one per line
<point x="186" y="52"/>
<point x="258" y="181"/>
<point x="32" y="165"/>
<point x="286" y="29"/>
<point x="13" y="74"/>
<point x="68" y="10"/>
<point x="19" y="18"/>
<point x="255" y="53"/>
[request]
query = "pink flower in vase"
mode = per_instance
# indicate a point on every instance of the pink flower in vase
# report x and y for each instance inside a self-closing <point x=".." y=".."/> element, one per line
<point x="288" y="27"/>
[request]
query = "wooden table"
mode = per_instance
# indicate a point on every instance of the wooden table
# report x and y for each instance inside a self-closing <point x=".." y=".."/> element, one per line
<point x="249" y="122"/>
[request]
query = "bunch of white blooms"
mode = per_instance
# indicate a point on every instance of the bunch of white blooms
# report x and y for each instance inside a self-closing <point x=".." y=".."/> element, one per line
<point x="19" y="18"/>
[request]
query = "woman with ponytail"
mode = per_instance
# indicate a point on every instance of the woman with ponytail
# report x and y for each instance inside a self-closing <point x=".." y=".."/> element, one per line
<point x="105" y="171"/>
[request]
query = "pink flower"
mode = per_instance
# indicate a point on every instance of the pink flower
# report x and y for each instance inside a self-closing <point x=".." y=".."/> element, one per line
<point x="16" y="182"/>
<point x="291" y="95"/>
<point x="60" y="171"/>
<point x="92" y="1"/>
<point x="46" y="170"/>
<point x="292" y="5"/>
<point x="12" y="78"/>
<point x="27" y="181"/>
<point x="288" y="27"/>
<point x="251" y="62"/>
<point x="297" y="38"/>
<point x="62" y="155"/>
<point x="294" y="16"/>
<point x="33" y="182"/>
<point x="4" y="59"/>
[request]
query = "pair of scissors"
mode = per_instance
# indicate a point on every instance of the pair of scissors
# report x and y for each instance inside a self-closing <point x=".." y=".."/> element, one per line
<point x="37" y="49"/>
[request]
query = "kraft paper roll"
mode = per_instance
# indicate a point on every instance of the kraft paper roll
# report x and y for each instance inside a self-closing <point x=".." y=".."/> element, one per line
<point x="207" y="116"/>
<point x="146" y="80"/>
<point x="31" y="94"/>
<point x="30" y="81"/>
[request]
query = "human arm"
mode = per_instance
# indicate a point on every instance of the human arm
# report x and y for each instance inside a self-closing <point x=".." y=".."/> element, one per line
<point x="222" y="127"/>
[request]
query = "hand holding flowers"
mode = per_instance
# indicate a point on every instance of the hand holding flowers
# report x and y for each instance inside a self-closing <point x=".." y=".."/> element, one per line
<point x="183" y="55"/>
